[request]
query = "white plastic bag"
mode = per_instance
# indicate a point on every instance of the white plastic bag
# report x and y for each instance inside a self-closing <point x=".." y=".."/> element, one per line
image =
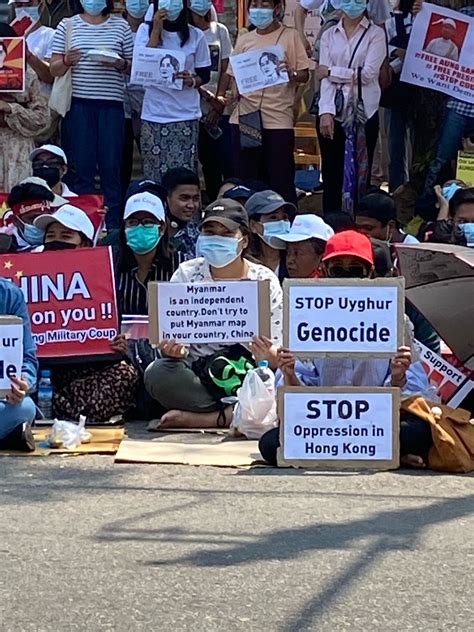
<point x="66" y="434"/>
<point x="255" y="412"/>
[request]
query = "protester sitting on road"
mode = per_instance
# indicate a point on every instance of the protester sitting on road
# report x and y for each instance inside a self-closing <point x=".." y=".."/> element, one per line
<point x="305" y="244"/>
<point x="349" y="255"/>
<point x="22" y="116"/>
<point x="183" y="204"/>
<point x="459" y="227"/>
<point x="376" y="216"/>
<point x="26" y="202"/>
<point x="49" y="162"/>
<point x="93" y="129"/>
<point x="17" y="411"/>
<point x="269" y="216"/>
<point x="145" y="253"/>
<point x="172" y="381"/>
<point x="273" y="160"/>
<point x="100" y="390"/>
<point x="170" y="117"/>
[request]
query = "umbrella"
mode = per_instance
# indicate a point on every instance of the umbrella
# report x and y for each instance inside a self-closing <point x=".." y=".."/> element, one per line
<point x="439" y="282"/>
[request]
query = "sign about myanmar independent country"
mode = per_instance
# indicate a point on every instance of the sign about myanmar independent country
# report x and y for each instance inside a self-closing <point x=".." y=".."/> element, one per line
<point x="349" y="317"/>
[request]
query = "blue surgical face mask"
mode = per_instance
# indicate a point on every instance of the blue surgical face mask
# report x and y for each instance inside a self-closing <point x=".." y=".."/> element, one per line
<point x="468" y="231"/>
<point x="218" y="251"/>
<point x="143" y="239"/>
<point x="353" y="8"/>
<point x="32" y="235"/>
<point x="93" y="7"/>
<point x="137" y="8"/>
<point x="200" y="7"/>
<point x="450" y="190"/>
<point x="261" y="18"/>
<point x="274" y="229"/>
<point x="173" y="7"/>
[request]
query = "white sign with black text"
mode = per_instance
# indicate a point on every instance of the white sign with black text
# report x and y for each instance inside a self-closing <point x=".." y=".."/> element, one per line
<point x="339" y="427"/>
<point x="157" y="67"/>
<point x="259" y="68"/>
<point x="11" y="351"/>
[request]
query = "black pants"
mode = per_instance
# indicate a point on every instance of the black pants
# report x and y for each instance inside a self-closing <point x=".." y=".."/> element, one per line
<point x="415" y="438"/>
<point x="127" y="163"/>
<point x="215" y="158"/>
<point x="273" y="162"/>
<point x="332" y="158"/>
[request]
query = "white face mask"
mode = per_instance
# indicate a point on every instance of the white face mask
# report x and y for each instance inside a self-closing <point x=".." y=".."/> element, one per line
<point x="217" y="250"/>
<point x="200" y="7"/>
<point x="275" y="229"/>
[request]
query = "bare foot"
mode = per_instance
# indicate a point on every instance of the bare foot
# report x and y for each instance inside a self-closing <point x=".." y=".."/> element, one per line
<point x="186" y="419"/>
<point x="412" y="460"/>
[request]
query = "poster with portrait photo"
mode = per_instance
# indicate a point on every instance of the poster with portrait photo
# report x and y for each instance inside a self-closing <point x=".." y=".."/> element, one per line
<point x="259" y="69"/>
<point x="157" y="67"/>
<point x="440" y="53"/>
<point x="12" y="64"/>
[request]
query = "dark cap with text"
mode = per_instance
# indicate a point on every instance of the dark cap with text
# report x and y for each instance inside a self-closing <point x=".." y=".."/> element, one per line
<point x="229" y="213"/>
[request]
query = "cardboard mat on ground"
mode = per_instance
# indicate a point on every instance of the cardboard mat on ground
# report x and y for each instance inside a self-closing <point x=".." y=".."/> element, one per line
<point x="104" y="441"/>
<point x="221" y="454"/>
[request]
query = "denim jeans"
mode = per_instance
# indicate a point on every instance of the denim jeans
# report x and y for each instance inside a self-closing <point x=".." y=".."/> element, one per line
<point x="455" y="126"/>
<point x="12" y="416"/>
<point x="400" y="137"/>
<point x="93" y="135"/>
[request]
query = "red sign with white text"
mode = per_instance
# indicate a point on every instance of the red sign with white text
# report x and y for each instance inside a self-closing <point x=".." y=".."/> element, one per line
<point x="71" y="299"/>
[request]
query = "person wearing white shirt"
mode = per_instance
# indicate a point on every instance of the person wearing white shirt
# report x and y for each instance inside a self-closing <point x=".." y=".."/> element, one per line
<point x="444" y="46"/>
<point x="170" y="117"/>
<point x="354" y="46"/>
<point x="49" y="162"/>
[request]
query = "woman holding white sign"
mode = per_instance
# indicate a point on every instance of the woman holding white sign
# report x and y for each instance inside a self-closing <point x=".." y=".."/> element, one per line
<point x="265" y="116"/>
<point x="170" y="117"/>
<point x="173" y="380"/>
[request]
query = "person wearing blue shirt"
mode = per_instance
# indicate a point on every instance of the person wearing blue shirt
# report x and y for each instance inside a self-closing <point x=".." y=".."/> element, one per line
<point x="17" y="410"/>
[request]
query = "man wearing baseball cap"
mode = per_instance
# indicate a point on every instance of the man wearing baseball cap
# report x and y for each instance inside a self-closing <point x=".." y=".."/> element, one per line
<point x="444" y="46"/>
<point x="68" y="228"/>
<point x="349" y="255"/>
<point x="269" y="216"/>
<point x="305" y="244"/>
<point x="376" y="216"/>
<point x="49" y="162"/>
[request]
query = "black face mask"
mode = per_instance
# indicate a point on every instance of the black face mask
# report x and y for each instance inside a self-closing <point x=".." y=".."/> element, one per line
<point x="59" y="245"/>
<point x="52" y="175"/>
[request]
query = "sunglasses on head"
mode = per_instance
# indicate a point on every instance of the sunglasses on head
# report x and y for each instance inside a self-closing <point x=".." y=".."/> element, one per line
<point x="353" y="271"/>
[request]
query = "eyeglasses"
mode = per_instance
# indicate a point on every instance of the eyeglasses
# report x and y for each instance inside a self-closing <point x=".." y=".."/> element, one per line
<point x="354" y="271"/>
<point x="147" y="221"/>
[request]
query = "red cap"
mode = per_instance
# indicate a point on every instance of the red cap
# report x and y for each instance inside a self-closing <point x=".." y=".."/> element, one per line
<point x="352" y="243"/>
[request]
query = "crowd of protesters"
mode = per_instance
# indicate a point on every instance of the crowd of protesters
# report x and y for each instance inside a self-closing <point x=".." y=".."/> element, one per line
<point x="209" y="207"/>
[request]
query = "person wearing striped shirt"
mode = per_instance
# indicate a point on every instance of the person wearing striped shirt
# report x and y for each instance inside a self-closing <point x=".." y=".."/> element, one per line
<point x="145" y="253"/>
<point x="93" y="129"/>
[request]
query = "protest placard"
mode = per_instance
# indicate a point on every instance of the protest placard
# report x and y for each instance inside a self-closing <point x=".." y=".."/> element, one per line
<point x="259" y="68"/>
<point x="25" y="19"/>
<point x="71" y="299"/>
<point x="339" y="428"/>
<point x="465" y="167"/>
<point x="12" y="64"/>
<point x="440" y="53"/>
<point x="11" y="351"/>
<point x="441" y="374"/>
<point x="203" y="313"/>
<point x="157" y="67"/>
<point x="350" y="317"/>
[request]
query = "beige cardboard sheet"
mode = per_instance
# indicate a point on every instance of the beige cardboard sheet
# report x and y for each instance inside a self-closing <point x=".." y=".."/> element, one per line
<point x="222" y="454"/>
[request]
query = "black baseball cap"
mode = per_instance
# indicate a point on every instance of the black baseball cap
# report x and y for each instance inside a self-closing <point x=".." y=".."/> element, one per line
<point x="379" y="206"/>
<point x="148" y="186"/>
<point x="229" y="213"/>
<point x="239" y="192"/>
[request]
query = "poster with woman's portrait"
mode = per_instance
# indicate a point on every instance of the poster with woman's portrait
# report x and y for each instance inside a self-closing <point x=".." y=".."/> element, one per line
<point x="157" y="67"/>
<point x="259" y="68"/>
<point x="12" y="64"/>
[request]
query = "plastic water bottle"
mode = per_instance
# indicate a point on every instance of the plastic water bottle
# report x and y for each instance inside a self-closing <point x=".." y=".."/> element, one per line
<point x="267" y="376"/>
<point x="45" y="394"/>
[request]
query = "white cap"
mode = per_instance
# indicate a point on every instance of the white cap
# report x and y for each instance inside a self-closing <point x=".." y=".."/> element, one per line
<point x="70" y="217"/>
<point x="306" y="227"/>
<point x="58" y="200"/>
<point x="51" y="149"/>
<point x="145" y="202"/>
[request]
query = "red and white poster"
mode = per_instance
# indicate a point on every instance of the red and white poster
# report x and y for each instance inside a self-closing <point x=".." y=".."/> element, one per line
<point x="440" y="52"/>
<point x="12" y="64"/>
<point x="71" y="299"/>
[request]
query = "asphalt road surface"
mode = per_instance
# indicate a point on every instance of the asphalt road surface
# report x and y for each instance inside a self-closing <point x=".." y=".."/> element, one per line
<point x="89" y="545"/>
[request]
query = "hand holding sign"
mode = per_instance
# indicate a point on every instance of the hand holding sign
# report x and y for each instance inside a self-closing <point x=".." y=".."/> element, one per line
<point x="399" y="366"/>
